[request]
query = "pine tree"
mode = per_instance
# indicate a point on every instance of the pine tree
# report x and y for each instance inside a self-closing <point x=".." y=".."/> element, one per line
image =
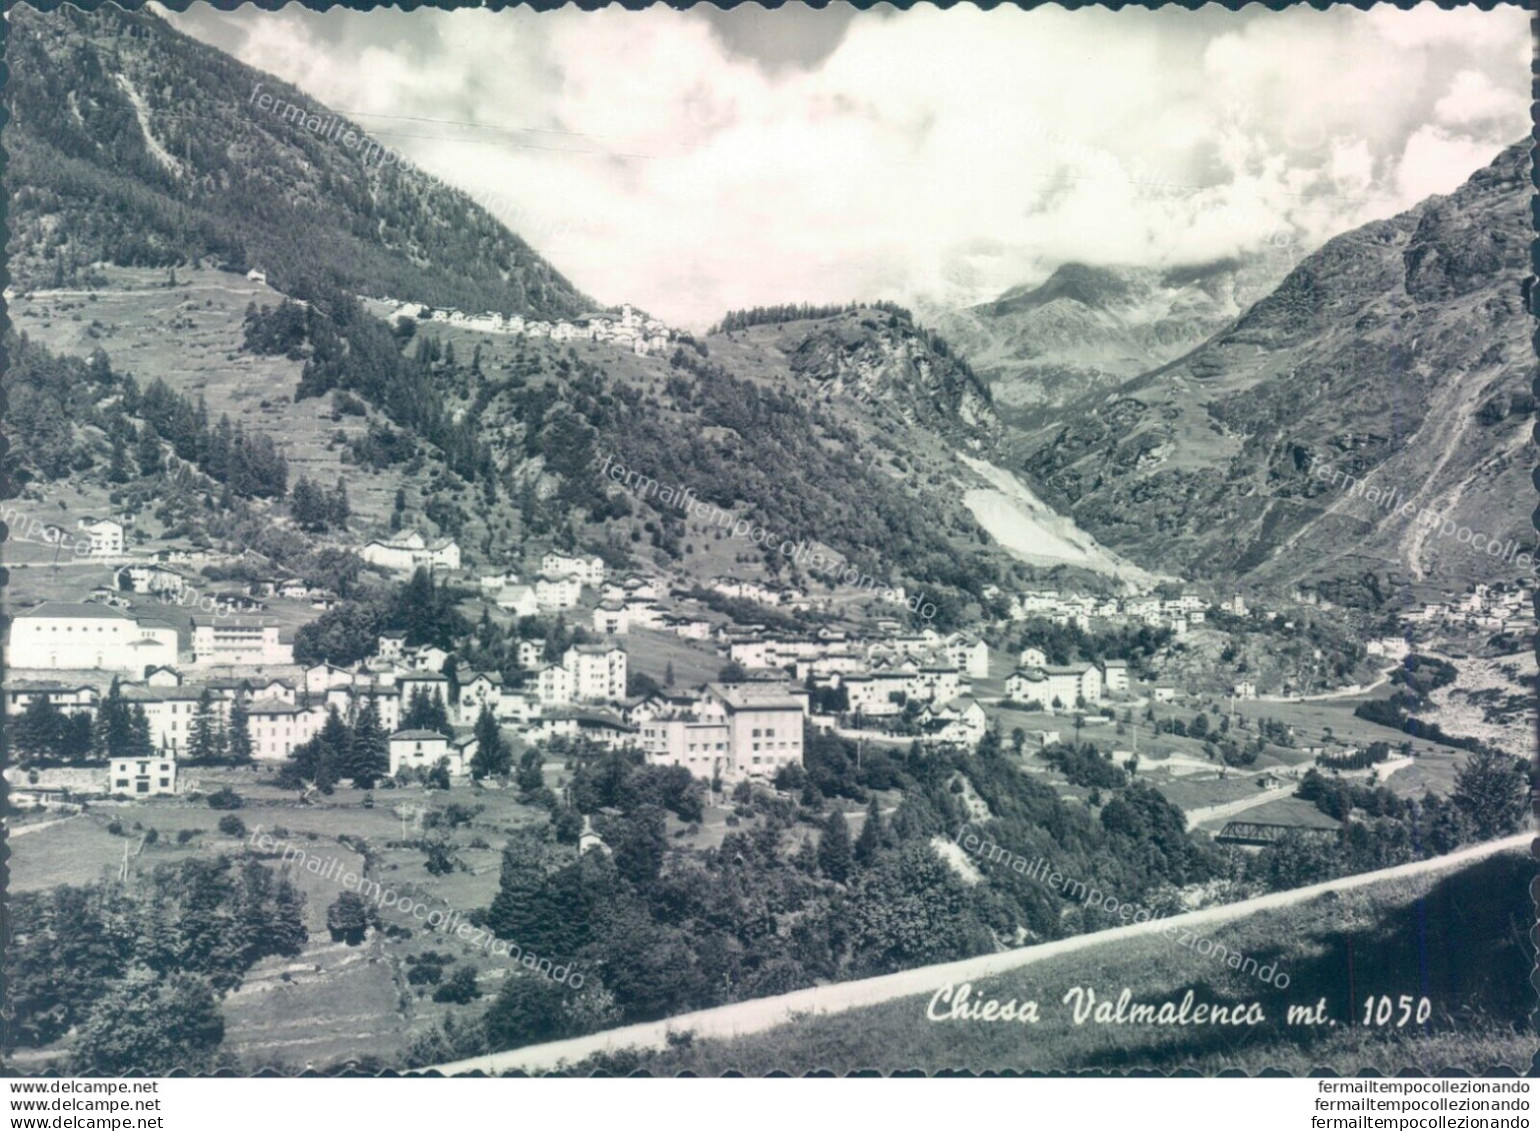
<point x="238" y="734"/>
<point x="288" y="933"/>
<point x="870" y="840"/>
<point x="117" y="468"/>
<point x="369" y="748"/>
<point x="493" y="758"/>
<point x="337" y="510"/>
<point x="326" y="775"/>
<point x="668" y="674"/>
<point x="140" y="745"/>
<point x="834" y="855"/>
<point x="531" y="775"/>
<point x="148" y="452"/>
<point x="110" y="733"/>
<point x="203" y="741"/>
<point x="426" y="711"/>
<point x="39" y="732"/>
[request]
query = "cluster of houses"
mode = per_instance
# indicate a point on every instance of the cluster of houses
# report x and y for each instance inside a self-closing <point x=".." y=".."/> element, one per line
<point x="1056" y="687"/>
<point x="286" y="709"/>
<point x="1180" y="614"/>
<point x="1500" y="608"/>
<point x="879" y="677"/>
<point x="559" y="585"/>
<point x="630" y="330"/>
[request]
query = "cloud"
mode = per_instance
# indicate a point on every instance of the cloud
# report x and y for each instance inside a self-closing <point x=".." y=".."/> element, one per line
<point x="1475" y="99"/>
<point x="690" y="165"/>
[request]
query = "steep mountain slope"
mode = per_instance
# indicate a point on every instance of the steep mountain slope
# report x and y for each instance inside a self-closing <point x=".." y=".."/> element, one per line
<point x="143" y="174"/>
<point x="135" y="145"/>
<point x="1398" y="353"/>
<point x="1090" y="328"/>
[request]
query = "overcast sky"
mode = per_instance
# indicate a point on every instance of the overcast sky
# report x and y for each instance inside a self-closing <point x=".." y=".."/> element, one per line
<point x="691" y="162"/>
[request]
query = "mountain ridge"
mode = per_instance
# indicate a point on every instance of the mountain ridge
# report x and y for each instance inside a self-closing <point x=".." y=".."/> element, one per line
<point x="1091" y="327"/>
<point x="1398" y="349"/>
<point x="114" y="167"/>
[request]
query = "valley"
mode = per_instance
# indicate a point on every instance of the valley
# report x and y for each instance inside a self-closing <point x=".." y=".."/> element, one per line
<point x="681" y="661"/>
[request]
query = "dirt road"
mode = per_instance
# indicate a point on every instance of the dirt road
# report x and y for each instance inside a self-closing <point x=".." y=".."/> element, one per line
<point x="742" y="1018"/>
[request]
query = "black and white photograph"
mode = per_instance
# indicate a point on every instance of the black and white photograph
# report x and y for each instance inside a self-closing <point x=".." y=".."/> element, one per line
<point x="753" y="542"/>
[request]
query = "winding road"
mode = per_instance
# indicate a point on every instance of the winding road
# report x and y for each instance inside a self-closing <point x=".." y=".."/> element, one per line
<point x="746" y="1017"/>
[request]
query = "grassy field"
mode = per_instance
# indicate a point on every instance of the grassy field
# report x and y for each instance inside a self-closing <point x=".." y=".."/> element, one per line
<point x="651" y="651"/>
<point x="1458" y="939"/>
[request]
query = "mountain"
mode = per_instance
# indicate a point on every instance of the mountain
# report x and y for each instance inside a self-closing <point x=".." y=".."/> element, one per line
<point x="145" y="178"/>
<point x="132" y="144"/>
<point x="1398" y="353"/>
<point x="1092" y="327"/>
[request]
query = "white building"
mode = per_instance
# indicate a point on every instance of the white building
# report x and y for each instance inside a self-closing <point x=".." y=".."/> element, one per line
<point x="1027" y="685"/>
<point x="61" y="635"/>
<point x="558" y="592"/>
<point x="961" y="721"/>
<point x="277" y="727"/>
<point x="694" y="735"/>
<point x="1115" y="675"/>
<point x="691" y="628"/>
<point x="170" y="712"/>
<point x="612" y="619"/>
<point x="424" y="749"/>
<point x="407" y="552"/>
<point x="1070" y="683"/>
<point x="481" y="689"/>
<point x="968" y="653"/>
<point x="734" y="731"/>
<point x="142" y="777"/>
<point x="554" y="685"/>
<point x="69" y="699"/>
<point x="104" y="535"/>
<point x="598" y="672"/>
<point x="519" y="600"/>
<point x="588" y="569"/>
<point x="149" y="578"/>
<point x="1033" y="658"/>
<point x="764" y="727"/>
<point x="493" y="583"/>
<point x="321" y="678"/>
<point x="239" y="640"/>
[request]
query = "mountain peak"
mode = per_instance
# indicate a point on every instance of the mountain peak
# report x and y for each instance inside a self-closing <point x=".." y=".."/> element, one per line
<point x="1097" y="287"/>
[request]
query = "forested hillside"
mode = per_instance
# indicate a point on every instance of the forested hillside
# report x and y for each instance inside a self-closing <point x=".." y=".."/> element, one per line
<point x="135" y="145"/>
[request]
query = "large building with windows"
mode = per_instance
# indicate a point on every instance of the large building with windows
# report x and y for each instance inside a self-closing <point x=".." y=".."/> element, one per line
<point x="729" y="731"/>
<point x="598" y="672"/>
<point x="60" y="635"/>
<point x="243" y="641"/>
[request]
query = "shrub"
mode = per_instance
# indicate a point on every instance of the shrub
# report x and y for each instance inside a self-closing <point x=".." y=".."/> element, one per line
<point x="231" y="825"/>
<point x="460" y="989"/>
<point x="226" y="798"/>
